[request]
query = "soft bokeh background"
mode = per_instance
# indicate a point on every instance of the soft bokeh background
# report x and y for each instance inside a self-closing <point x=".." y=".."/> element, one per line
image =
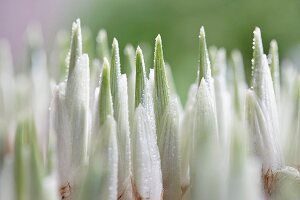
<point x="228" y="23"/>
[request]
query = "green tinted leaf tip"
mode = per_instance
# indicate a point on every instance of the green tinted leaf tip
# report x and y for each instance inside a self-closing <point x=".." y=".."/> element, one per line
<point x="257" y="47"/>
<point x="140" y="77"/>
<point x="204" y="68"/>
<point x="115" y="71"/>
<point x="105" y="99"/>
<point x="76" y="46"/>
<point x="274" y="65"/>
<point x="160" y="81"/>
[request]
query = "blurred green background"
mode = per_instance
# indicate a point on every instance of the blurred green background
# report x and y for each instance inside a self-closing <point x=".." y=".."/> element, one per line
<point x="228" y="23"/>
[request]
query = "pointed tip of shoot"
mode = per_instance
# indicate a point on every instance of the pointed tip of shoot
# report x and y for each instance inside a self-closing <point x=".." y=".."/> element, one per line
<point x="115" y="55"/>
<point x="257" y="32"/>
<point x="159" y="64"/>
<point x="138" y="50"/>
<point x="202" y="32"/>
<point x="274" y="45"/>
<point x="129" y="53"/>
<point x="257" y="40"/>
<point x="158" y="48"/>
<point x="102" y="35"/>
<point x="76" y="46"/>
<point x="102" y="44"/>
<point x="204" y="68"/>
<point x="160" y="81"/>
<point x="105" y="99"/>
<point x="257" y="45"/>
<point x="202" y="81"/>
<point x="115" y="70"/>
<point x="76" y="28"/>
<point x="105" y="62"/>
<point x="115" y="50"/>
<point x="258" y="53"/>
<point x="140" y="77"/>
<point x="128" y="49"/>
<point x="105" y="71"/>
<point x="274" y="66"/>
<point x="158" y="40"/>
<point x="158" y="53"/>
<point x="77" y="21"/>
<point x="273" y="55"/>
<point x="115" y="43"/>
<point x="139" y="59"/>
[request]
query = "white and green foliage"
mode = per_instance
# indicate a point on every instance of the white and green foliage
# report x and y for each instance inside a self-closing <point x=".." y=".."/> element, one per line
<point x="146" y="162"/>
<point x="261" y="110"/>
<point x="115" y="135"/>
<point x="102" y="177"/>
<point x="70" y="114"/>
<point x="166" y="126"/>
<point x="119" y="93"/>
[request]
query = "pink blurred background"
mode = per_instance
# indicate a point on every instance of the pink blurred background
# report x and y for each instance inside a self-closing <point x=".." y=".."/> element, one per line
<point x="16" y="15"/>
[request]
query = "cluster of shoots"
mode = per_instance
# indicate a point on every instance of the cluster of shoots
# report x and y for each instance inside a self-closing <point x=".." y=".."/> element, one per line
<point x="74" y="127"/>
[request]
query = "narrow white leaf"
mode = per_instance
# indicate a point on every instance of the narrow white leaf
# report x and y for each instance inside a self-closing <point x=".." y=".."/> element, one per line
<point x="185" y="138"/>
<point x="205" y="162"/>
<point x="120" y="106"/>
<point x="169" y="153"/>
<point x="124" y="170"/>
<point x="59" y="123"/>
<point x="101" y="180"/>
<point x="77" y="104"/>
<point x="145" y="158"/>
<point x="261" y="135"/>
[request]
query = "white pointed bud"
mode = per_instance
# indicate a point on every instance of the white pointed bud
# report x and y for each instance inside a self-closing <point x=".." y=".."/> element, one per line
<point x="204" y="161"/>
<point x="262" y="104"/>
